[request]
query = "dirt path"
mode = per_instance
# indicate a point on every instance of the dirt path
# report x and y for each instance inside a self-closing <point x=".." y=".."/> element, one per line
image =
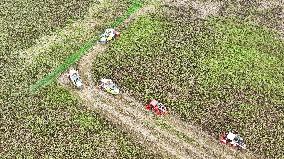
<point x="168" y="135"/>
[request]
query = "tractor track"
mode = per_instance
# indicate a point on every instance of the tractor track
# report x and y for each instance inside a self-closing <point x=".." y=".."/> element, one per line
<point x="131" y="116"/>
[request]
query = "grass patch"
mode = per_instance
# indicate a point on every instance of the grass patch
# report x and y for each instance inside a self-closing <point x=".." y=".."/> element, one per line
<point x="25" y="21"/>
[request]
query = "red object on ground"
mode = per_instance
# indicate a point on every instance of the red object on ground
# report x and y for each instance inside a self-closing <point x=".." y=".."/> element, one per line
<point x="156" y="107"/>
<point x="148" y="107"/>
<point x="117" y="34"/>
<point x="223" y="138"/>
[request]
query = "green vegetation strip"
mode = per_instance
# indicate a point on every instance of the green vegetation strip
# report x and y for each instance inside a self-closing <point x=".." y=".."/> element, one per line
<point x="86" y="47"/>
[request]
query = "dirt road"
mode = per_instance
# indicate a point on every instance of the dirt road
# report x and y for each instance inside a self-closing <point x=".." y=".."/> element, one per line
<point x="168" y="134"/>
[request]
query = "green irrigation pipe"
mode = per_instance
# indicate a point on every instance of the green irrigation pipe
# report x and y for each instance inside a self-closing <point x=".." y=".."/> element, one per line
<point x="84" y="49"/>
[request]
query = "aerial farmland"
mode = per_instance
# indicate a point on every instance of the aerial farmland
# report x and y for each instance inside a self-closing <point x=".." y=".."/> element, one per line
<point x="142" y="79"/>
